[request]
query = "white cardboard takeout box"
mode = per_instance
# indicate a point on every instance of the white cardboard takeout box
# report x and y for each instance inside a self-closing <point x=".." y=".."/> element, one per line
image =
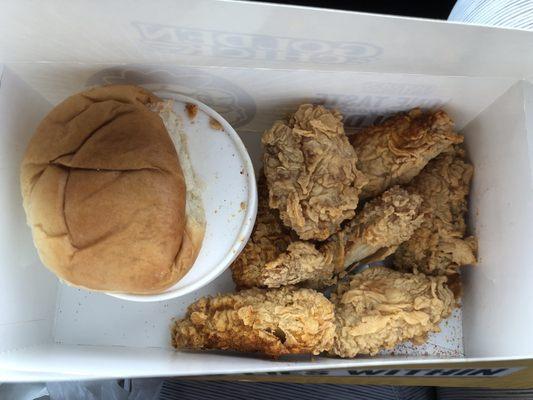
<point x="252" y="63"/>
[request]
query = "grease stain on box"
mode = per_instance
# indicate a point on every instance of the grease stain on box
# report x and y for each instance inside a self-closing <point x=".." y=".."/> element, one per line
<point x="213" y="123"/>
<point x="192" y="110"/>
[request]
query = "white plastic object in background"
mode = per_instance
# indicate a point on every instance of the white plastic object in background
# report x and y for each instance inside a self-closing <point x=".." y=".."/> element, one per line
<point x="506" y="13"/>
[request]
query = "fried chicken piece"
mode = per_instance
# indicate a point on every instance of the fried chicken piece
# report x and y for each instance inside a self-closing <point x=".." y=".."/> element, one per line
<point x="376" y="232"/>
<point x="383" y="224"/>
<point x="274" y="322"/>
<point x="439" y="246"/>
<point x="268" y="241"/>
<point x="311" y="172"/>
<point x="396" y="150"/>
<point x="301" y="264"/>
<point x="274" y="256"/>
<point x="381" y="308"/>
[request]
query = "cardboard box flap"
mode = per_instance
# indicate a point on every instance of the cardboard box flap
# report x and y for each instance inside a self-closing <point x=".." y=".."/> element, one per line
<point x="249" y="34"/>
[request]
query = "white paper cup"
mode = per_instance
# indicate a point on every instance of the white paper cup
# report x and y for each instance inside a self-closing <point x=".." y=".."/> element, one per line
<point x="226" y="182"/>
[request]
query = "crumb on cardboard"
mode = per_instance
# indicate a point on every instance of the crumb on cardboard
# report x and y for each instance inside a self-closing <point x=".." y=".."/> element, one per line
<point x="215" y="124"/>
<point x="192" y="110"/>
<point x="243" y="205"/>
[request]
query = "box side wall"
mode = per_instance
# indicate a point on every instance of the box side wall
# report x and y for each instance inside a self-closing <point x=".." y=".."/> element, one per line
<point x="252" y="98"/>
<point x="98" y="362"/>
<point x="527" y="87"/>
<point x="27" y="289"/>
<point x="497" y="292"/>
<point x="228" y="33"/>
<point x="116" y="361"/>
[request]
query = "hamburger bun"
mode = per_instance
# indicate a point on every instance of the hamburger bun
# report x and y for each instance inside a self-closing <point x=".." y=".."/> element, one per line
<point x="105" y="194"/>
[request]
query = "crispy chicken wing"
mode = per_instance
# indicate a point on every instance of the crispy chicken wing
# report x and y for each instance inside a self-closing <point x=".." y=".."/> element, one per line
<point x="274" y="322"/>
<point x="396" y="150"/>
<point x="311" y="172"/>
<point x="376" y="232"/>
<point x="381" y="308"/>
<point x="439" y="246"/>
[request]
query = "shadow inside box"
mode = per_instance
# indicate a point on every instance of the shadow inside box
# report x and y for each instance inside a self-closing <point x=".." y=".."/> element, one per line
<point x="248" y="355"/>
<point x="390" y="356"/>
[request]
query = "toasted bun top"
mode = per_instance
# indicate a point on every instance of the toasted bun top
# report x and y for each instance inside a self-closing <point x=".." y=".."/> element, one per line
<point x="104" y="193"/>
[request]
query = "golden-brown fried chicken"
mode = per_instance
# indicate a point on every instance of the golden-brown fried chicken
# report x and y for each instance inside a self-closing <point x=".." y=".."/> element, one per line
<point x="396" y="150"/>
<point x="268" y="241"/>
<point x="311" y="172"/>
<point x="376" y="232"/>
<point x="300" y="264"/>
<point x="274" y="322"/>
<point x="439" y="246"/>
<point x="274" y="256"/>
<point x="381" y="308"/>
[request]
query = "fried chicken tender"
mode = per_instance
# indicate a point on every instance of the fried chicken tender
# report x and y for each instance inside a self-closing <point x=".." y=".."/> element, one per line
<point x="381" y="308"/>
<point x="376" y="232"/>
<point x="311" y="172"/>
<point x="274" y="322"/>
<point x="439" y="246"/>
<point x="396" y="150"/>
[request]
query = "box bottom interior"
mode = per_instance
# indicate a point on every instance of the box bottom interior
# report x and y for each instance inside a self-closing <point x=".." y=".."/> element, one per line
<point x="50" y="327"/>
